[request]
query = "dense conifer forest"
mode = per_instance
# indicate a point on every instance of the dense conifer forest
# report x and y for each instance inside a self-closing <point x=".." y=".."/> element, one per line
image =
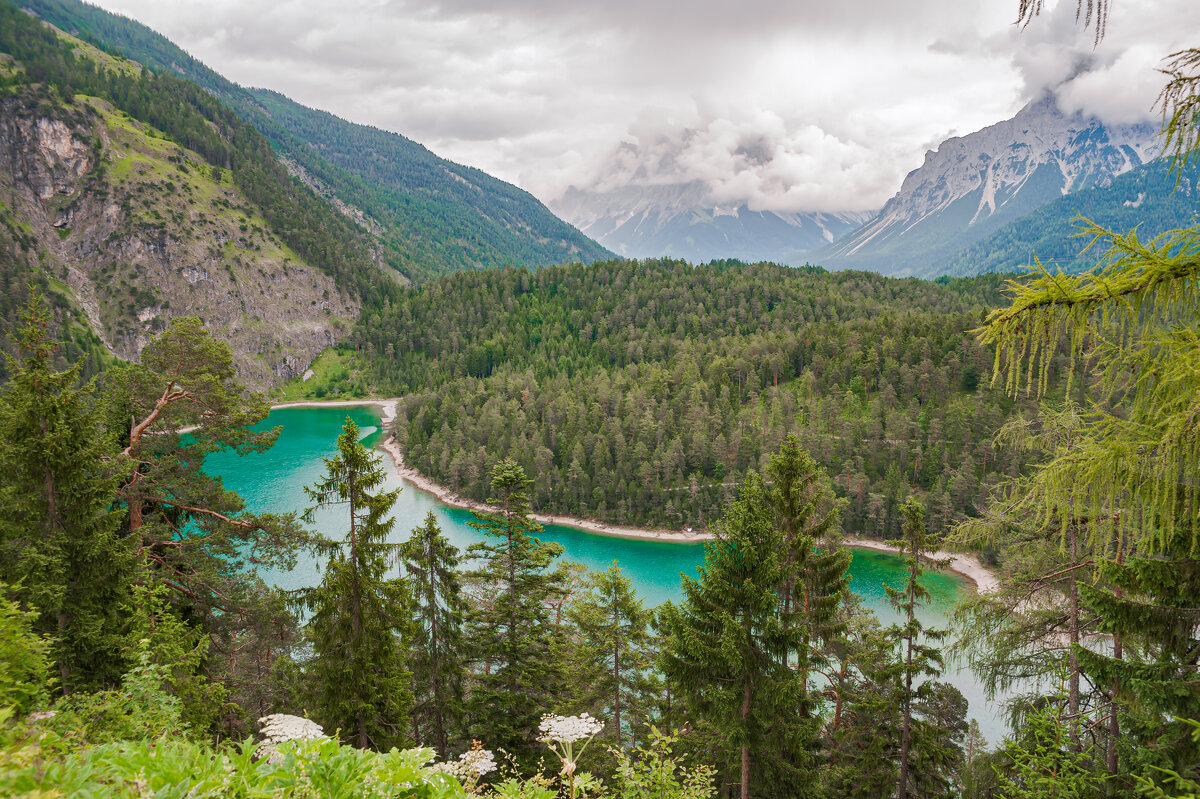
<point x="643" y="392"/>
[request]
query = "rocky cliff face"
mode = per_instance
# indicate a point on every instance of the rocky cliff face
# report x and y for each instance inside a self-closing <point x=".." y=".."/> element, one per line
<point x="143" y="230"/>
<point x="974" y="184"/>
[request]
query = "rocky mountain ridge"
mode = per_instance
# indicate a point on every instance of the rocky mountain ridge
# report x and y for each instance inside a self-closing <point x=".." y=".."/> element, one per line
<point x="972" y="185"/>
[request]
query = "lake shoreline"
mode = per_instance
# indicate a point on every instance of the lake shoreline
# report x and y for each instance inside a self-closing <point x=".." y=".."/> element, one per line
<point x="966" y="566"/>
<point x="387" y="407"/>
<point x="448" y="497"/>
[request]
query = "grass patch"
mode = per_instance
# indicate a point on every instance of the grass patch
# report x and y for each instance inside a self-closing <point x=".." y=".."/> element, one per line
<point x="336" y="375"/>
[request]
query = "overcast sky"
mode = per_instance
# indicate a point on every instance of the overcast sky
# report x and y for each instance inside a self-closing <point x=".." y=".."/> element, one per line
<point x="789" y="105"/>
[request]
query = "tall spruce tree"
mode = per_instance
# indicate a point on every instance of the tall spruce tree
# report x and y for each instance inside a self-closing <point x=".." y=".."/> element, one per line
<point x="919" y="659"/>
<point x="727" y="645"/>
<point x="818" y="579"/>
<point x="61" y="551"/>
<point x="615" y="635"/>
<point x="517" y="677"/>
<point x="437" y="651"/>
<point x="361" y="620"/>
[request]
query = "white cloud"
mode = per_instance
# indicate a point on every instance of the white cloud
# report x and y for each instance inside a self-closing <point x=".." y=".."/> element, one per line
<point x="797" y="105"/>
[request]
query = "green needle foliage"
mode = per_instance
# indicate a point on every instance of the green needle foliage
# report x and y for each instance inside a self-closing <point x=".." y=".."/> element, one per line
<point x="511" y="626"/>
<point x="60" y="545"/>
<point x="1151" y="604"/>
<point x="1131" y="324"/>
<point x="807" y="515"/>
<point x="361" y="620"/>
<point x="726" y="654"/>
<point x="614" y="629"/>
<point x="920" y="660"/>
<point x="437" y="654"/>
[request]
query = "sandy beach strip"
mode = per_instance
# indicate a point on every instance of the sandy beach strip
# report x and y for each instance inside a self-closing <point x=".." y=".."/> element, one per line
<point x="966" y="566"/>
<point x="386" y="406"/>
<point x="448" y="497"/>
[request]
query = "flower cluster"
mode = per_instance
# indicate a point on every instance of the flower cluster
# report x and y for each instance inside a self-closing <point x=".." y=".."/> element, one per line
<point x="478" y="761"/>
<point x="454" y="768"/>
<point x="568" y="729"/>
<point x="280" y="727"/>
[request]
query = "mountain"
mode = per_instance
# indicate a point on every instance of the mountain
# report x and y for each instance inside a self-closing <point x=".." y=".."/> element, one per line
<point x="1148" y="198"/>
<point x="975" y="184"/>
<point x="427" y="215"/>
<point x="681" y="220"/>
<point x="132" y="198"/>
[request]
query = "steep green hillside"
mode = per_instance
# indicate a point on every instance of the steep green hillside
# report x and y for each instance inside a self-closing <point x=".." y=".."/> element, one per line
<point x="1147" y="198"/>
<point x="428" y="215"/>
<point x="141" y="198"/>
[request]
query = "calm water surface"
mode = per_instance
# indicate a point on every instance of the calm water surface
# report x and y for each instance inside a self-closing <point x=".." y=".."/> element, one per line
<point x="274" y="481"/>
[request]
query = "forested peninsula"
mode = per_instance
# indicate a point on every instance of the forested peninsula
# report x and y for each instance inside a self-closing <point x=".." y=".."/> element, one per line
<point x="639" y="393"/>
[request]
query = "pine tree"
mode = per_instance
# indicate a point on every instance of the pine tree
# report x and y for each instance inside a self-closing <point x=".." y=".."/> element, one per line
<point x="171" y="410"/>
<point x="727" y="645"/>
<point x="512" y="631"/>
<point x="60" y="545"/>
<point x="361" y="620"/>
<point x="437" y="655"/>
<point x="919" y="659"/>
<point x="615" y="632"/>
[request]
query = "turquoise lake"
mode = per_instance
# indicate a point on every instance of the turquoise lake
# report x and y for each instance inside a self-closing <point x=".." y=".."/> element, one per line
<point x="274" y="481"/>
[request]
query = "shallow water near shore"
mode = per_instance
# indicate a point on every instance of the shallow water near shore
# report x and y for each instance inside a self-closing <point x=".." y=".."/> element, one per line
<point x="274" y="482"/>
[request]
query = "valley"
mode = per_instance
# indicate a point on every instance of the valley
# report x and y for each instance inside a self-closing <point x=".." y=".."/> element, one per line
<point x="562" y="402"/>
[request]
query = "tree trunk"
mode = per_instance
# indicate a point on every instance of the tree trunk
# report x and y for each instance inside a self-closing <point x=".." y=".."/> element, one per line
<point x="1073" y="628"/>
<point x="1114" y="725"/>
<point x="617" y="671"/>
<point x="906" y="723"/>
<point x="745" y="745"/>
<point x="356" y="612"/>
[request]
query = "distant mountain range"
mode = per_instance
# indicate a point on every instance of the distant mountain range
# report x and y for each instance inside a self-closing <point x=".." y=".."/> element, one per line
<point x="975" y="185"/>
<point x="428" y="215"/>
<point x="681" y="220"/>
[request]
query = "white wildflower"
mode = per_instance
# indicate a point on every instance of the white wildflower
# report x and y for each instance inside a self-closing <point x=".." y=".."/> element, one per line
<point x="560" y="734"/>
<point x="479" y="761"/>
<point x="280" y="727"/>
<point x="452" y="767"/>
<point x="568" y="729"/>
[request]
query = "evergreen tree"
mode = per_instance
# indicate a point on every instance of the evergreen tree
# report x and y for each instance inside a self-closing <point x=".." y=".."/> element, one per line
<point x="614" y="629"/>
<point x="437" y="647"/>
<point x="512" y="631"/>
<point x="1150" y="606"/>
<point x="727" y="646"/>
<point x="361" y="620"/>
<point x="864" y="730"/>
<point x="60" y="546"/>
<point x="919" y="660"/>
<point x="818" y="579"/>
<point x="179" y="404"/>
